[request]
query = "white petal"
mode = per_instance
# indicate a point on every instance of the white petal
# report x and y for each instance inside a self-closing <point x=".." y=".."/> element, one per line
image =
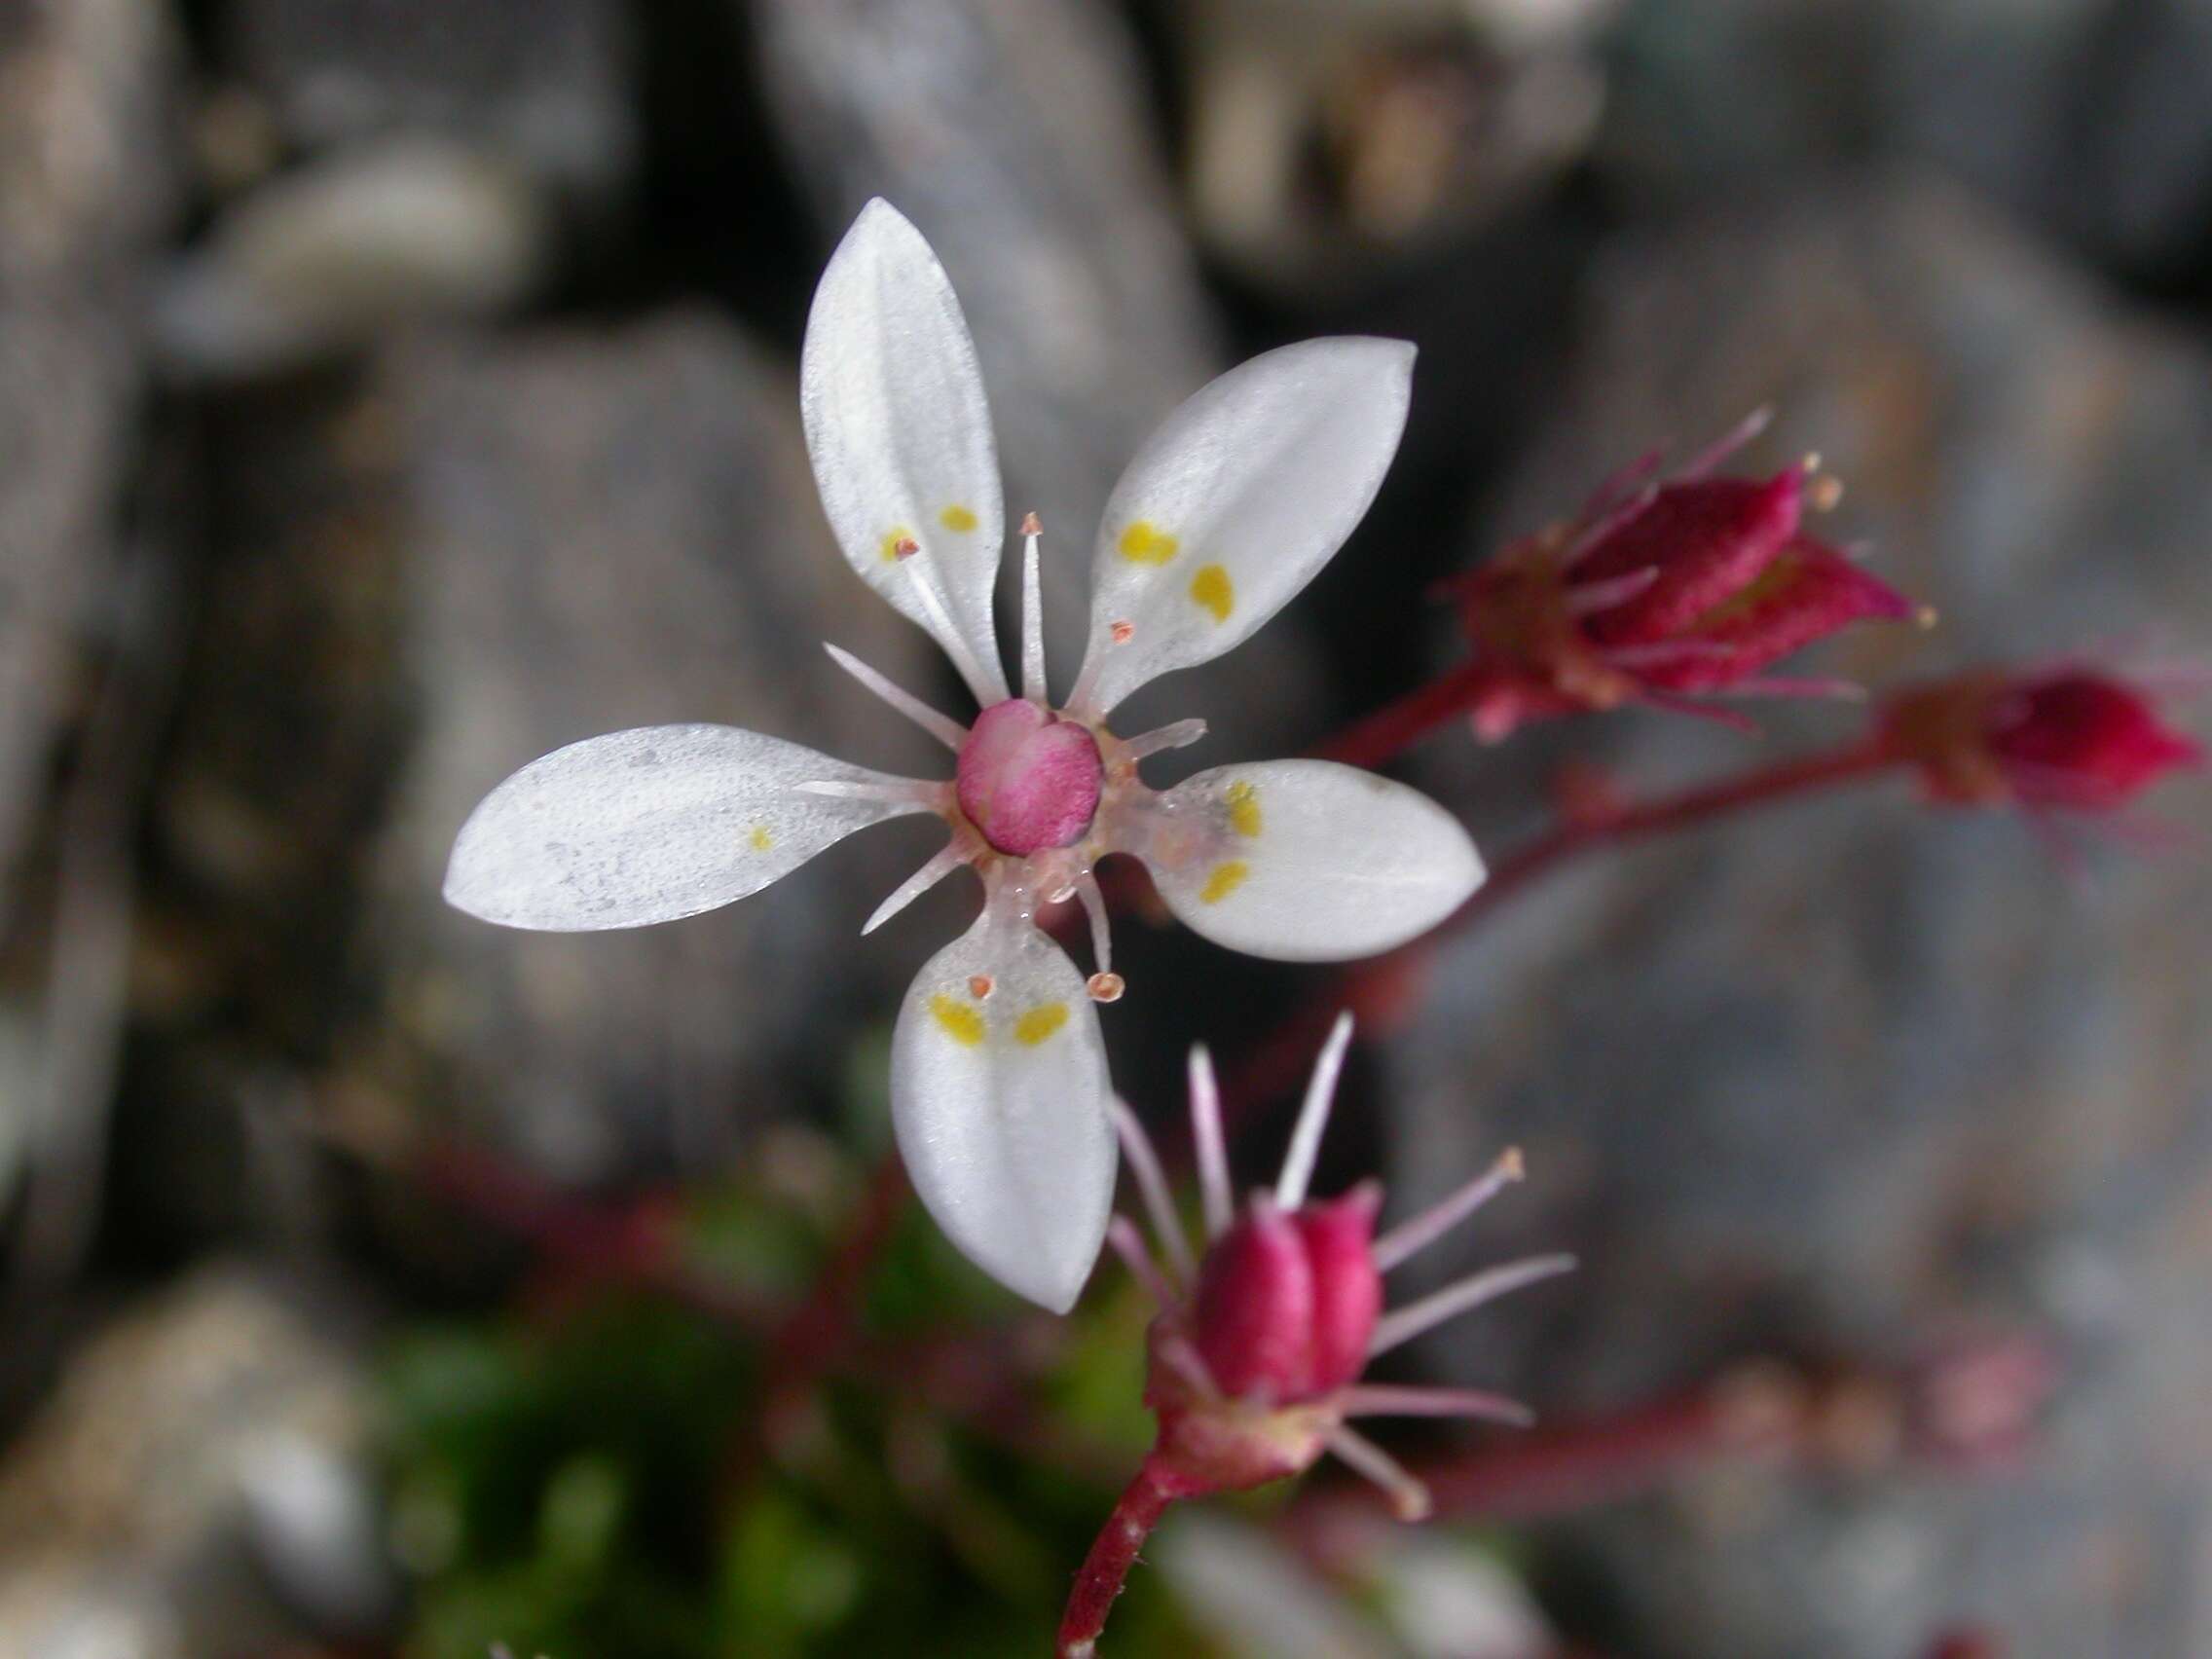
<point x="1306" y="860"/>
<point x="650" y="825"/>
<point x="1000" y="1101"/>
<point x="899" y="431"/>
<point x="1234" y="505"/>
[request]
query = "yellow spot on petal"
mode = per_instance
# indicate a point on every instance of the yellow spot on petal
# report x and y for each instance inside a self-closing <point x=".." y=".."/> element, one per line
<point x="898" y="545"/>
<point x="1226" y="879"/>
<point x="962" y="1021"/>
<point x="1243" y="803"/>
<point x="760" y="838"/>
<point x="1143" y="543"/>
<point x="1040" y="1023"/>
<point x="1212" y="589"/>
<point x="957" y="517"/>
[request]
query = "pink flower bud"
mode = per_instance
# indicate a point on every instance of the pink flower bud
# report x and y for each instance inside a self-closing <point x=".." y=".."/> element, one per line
<point x="1287" y="1302"/>
<point x="1672" y="590"/>
<point x="2068" y="738"/>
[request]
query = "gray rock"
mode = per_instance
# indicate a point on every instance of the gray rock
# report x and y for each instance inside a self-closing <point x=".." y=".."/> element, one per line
<point x="2087" y="115"/>
<point x="348" y="246"/>
<point x="85" y="188"/>
<point x="451" y="153"/>
<point x="546" y="84"/>
<point x="133" y="1508"/>
<point x="83" y="108"/>
<point x="1855" y="1077"/>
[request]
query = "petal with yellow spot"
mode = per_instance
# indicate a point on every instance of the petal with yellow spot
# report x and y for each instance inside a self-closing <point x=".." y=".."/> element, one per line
<point x="1040" y="1023"/>
<point x="1214" y="592"/>
<point x="1146" y="543"/>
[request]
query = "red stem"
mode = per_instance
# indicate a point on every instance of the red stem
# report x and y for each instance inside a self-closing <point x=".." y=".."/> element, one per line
<point x="1395" y="726"/>
<point x="1572" y="1467"/>
<point x="1106" y="1567"/>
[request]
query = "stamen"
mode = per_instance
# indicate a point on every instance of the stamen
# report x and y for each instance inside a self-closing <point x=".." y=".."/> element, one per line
<point x="1105" y="987"/>
<point x="1205" y="1139"/>
<point x="1376" y="1399"/>
<point x="1599" y="528"/>
<point x="1313" y="1117"/>
<point x="1617" y="486"/>
<point x="1407" y="1323"/>
<point x="1409" y="1498"/>
<point x="1121" y="1232"/>
<point x="1032" y="613"/>
<point x="1593" y="596"/>
<point x="944" y="727"/>
<point x="1101" y="930"/>
<point x="950" y="858"/>
<point x="1144" y="1164"/>
<point x="1824" y="494"/>
<point x="1425" y="1228"/>
<point x="1180" y="735"/>
<point x="1728" y="443"/>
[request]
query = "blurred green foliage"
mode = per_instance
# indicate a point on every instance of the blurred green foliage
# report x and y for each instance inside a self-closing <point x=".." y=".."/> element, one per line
<point x="594" y="1479"/>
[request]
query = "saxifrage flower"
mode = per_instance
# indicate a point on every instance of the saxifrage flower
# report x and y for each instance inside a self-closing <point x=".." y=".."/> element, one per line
<point x="1261" y="1342"/>
<point x="999" y="1088"/>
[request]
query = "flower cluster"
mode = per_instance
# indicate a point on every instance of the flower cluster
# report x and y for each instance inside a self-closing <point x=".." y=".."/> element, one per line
<point x="1260" y="1344"/>
<point x="999" y="1088"/>
<point x="1660" y="591"/>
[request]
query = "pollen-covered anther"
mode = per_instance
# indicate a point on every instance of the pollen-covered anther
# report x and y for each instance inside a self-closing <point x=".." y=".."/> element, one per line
<point x="1122" y="633"/>
<point x="1031" y="524"/>
<point x="981" y="985"/>
<point x="905" y="547"/>
<point x="1824" y="494"/>
<point x="1105" y="987"/>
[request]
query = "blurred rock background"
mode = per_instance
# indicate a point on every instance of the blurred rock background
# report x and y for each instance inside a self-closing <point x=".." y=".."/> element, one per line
<point x="393" y="390"/>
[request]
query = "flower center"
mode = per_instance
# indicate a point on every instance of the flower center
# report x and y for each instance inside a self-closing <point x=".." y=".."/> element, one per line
<point x="1027" y="778"/>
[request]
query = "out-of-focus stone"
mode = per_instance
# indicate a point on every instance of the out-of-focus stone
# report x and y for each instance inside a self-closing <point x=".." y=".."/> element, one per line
<point x="1853" y="1078"/>
<point x="612" y="530"/>
<point x="2087" y="115"/>
<point x="86" y="187"/>
<point x="1333" y="144"/>
<point x="128" y="1508"/>
<point x="453" y="150"/>
<point x="352" y="245"/>
<point x="548" y="84"/>
<point x="84" y="88"/>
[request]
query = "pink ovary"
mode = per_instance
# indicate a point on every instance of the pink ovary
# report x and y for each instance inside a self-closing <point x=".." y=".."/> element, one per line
<point x="1028" y="780"/>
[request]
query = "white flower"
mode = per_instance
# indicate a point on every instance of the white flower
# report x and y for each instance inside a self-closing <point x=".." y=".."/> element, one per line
<point x="997" y="1087"/>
